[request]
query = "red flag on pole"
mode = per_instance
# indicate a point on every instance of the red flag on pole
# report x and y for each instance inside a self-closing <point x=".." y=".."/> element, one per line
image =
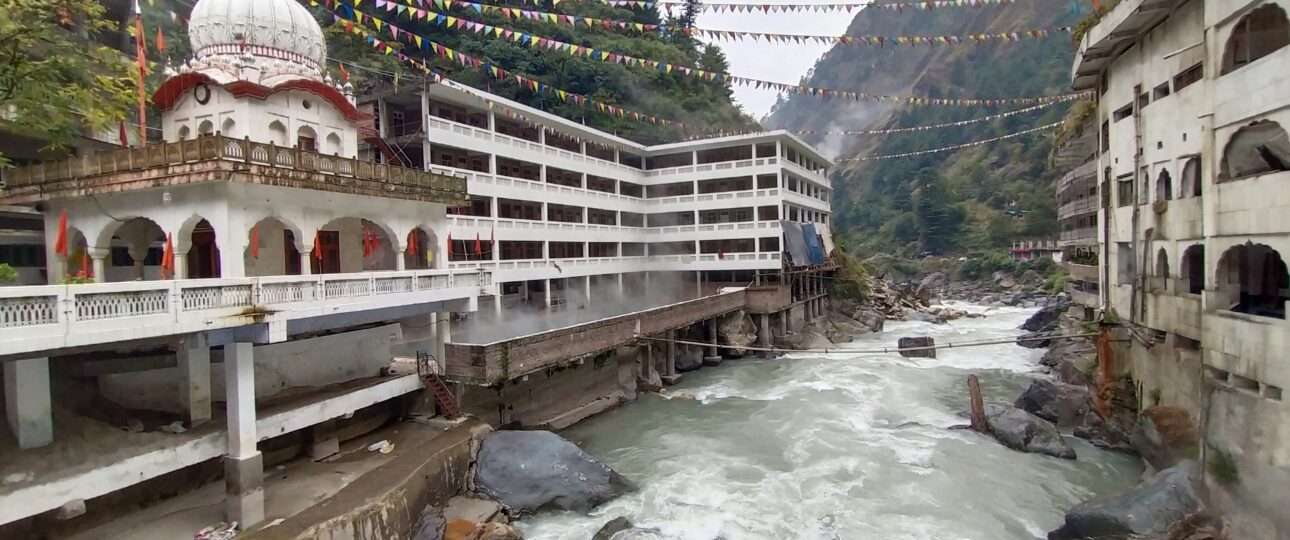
<point x="160" y="41"/>
<point x="85" y="265"/>
<point x="255" y="241"/>
<point x="317" y="251"/>
<point x="367" y="243"/>
<point x="450" y="246"/>
<point x="344" y="74"/>
<point x="168" y="259"/>
<point x="479" y="248"/>
<point x="412" y="242"/>
<point x="120" y="132"/>
<point x="60" y="244"/>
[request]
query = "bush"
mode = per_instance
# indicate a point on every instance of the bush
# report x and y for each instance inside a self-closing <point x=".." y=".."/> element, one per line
<point x="1223" y="467"/>
<point x="983" y="265"/>
<point x="850" y="281"/>
<point x="7" y="274"/>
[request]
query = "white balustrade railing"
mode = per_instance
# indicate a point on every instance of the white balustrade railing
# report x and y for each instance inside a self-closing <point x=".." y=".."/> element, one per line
<point x="192" y="300"/>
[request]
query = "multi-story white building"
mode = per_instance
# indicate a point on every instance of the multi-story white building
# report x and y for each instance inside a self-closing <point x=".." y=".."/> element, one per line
<point x="559" y="209"/>
<point x="1194" y="225"/>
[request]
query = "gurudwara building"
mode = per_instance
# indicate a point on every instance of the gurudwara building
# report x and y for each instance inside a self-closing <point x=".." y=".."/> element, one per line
<point x="1193" y="226"/>
<point x="253" y="287"/>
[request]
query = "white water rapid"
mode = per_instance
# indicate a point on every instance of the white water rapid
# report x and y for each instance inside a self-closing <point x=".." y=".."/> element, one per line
<point x="843" y="447"/>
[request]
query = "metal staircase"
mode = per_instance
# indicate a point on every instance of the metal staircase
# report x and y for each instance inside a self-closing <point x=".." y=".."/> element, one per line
<point x="444" y="400"/>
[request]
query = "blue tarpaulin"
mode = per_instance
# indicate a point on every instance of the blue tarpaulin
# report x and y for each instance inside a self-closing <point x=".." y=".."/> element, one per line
<point x="814" y="247"/>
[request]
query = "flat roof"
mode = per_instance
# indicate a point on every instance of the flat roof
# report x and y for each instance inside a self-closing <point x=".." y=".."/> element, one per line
<point x="461" y="94"/>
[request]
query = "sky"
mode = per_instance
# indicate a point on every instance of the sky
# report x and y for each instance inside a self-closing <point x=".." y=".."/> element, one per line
<point x="784" y="63"/>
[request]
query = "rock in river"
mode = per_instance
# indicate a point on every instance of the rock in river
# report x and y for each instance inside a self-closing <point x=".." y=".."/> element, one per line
<point x="1147" y="510"/>
<point x="1020" y="430"/>
<point x="1046" y="318"/>
<point x="531" y="470"/>
<point x="1061" y="404"/>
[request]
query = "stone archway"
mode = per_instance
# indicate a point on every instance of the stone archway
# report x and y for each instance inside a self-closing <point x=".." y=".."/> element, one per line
<point x="134" y="251"/>
<point x="351" y="244"/>
<point x="271" y="249"/>
<point x="1252" y="278"/>
<point x="420" y="252"/>
<point x="203" y="258"/>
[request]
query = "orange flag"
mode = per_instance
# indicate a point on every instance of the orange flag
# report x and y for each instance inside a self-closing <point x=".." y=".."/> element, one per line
<point x="60" y="244"/>
<point x="412" y="243"/>
<point x="317" y="252"/>
<point x="255" y="241"/>
<point x="168" y="259"/>
<point x="160" y="41"/>
<point x="479" y="248"/>
<point x="449" y="246"/>
<point x="85" y="265"/>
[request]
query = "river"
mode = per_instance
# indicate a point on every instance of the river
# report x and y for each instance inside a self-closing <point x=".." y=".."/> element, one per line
<point x="843" y="447"/>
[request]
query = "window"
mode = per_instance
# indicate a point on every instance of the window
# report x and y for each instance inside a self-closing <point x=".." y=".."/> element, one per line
<point x="1123" y="112"/>
<point x="1124" y="191"/>
<point x="1106" y="136"/>
<point x="1161" y="282"/>
<point x="1256" y="35"/>
<point x="1191" y="178"/>
<point x="1193" y="269"/>
<point x="1188" y="76"/>
<point x="1164" y="186"/>
<point x="1252" y="279"/>
<point x="1160" y="92"/>
<point x="1255" y="149"/>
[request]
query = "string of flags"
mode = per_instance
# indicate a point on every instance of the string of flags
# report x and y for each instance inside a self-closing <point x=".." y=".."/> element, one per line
<point x="738" y="6"/>
<point x="534" y="41"/>
<point x="956" y="146"/>
<point x="466" y="60"/>
<point x="880" y="41"/>
<point x="407" y="8"/>
<point x="927" y="127"/>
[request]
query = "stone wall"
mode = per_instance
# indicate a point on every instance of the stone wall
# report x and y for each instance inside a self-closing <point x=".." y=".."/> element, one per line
<point x="550" y="395"/>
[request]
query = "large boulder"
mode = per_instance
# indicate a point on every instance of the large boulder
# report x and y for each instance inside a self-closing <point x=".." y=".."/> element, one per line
<point x="1165" y="436"/>
<point x="1046" y="318"/>
<point x="688" y="358"/>
<point x="1146" y="511"/>
<point x="1063" y="404"/>
<point x="531" y="470"/>
<point x="922" y="345"/>
<point x="807" y="339"/>
<point x="1020" y="430"/>
<point x="621" y="528"/>
<point x="930" y="285"/>
<point x="430" y="526"/>
<point x="737" y="330"/>
<point x="870" y="318"/>
<point x="1035" y="340"/>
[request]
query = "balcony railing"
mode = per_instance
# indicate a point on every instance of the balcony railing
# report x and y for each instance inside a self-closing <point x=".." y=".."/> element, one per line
<point x="391" y="180"/>
<point x="1078" y="207"/>
<point x="34" y="318"/>
<point x="1084" y="236"/>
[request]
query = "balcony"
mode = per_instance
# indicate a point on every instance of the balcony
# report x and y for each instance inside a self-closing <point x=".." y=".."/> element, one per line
<point x="49" y="317"/>
<point x="1171" y="312"/>
<point x="1117" y="31"/>
<point x="1079" y="207"/>
<point x="1246" y="345"/>
<point x="1078" y="237"/>
<point x="215" y="158"/>
<point x="1083" y="272"/>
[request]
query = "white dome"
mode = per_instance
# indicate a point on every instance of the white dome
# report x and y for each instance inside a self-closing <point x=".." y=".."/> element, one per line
<point x="280" y="29"/>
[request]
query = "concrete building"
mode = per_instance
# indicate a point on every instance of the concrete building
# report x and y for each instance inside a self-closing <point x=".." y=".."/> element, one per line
<point x="249" y="289"/>
<point x="559" y="210"/>
<point x="1192" y="101"/>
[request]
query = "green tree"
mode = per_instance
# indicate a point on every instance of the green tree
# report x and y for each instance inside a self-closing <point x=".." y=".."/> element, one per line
<point x="56" y="79"/>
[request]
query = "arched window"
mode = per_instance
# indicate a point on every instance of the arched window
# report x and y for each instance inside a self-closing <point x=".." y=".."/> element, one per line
<point x="1193" y="268"/>
<point x="333" y="144"/>
<point x="1164" y="186"/>
<point x="1191" y="184"/>
<point x="228" y="128"/>
<point x="184" y="132"/>
<point x="278" y="133"/>
<point x="1256" y="35"/>
<point x="1161" y="281"/>
<point x="1255" y="149"/>
<point x="1252" y="278"/>
<point x="206" y="128"/>
<point x="307" y="139"/>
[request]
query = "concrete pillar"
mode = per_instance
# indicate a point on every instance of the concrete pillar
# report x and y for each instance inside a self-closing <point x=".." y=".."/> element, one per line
<point x="181" y="265"/>
<point x="98" y="263"/>
<point x="546" y="291"/>
<point x="783" y="322"/>
<point x="194" y="361"/>
<point x="497" y="303"/>
<point x="243" y="465"/>
<point x="712" y="357"/>
<point x="442" y="334"/>
<point x="27" y="401"/>
<point x="586" y="289"/>
<point x="400" y="260"/>
<point x="698" y="284"/>
<point x="621" y="291"/>
<point x="669" y="374"/>
<point x="763" y="332"/>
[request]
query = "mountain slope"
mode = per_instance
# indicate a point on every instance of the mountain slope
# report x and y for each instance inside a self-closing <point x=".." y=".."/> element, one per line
<point x="971" y="199"/>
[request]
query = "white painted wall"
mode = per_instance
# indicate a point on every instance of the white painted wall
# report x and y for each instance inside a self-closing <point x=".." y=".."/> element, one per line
<point x="277" y="119"/>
